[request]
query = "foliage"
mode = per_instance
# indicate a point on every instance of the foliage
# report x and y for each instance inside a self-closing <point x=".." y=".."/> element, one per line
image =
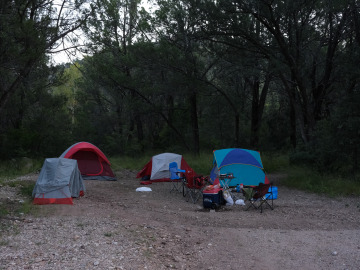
<point x="336" y="148"/>
<point x="26" y="188"/>
<point x="308" y="179"/>
<point x="29" y="30"/>
<point x="202" y="164"/>
<point x="11" y="206"/>
<point x="275" y="162"/>
<point x="129" y="162"/>
<point x="303" y="158"/>
<point x="16" y="167"/>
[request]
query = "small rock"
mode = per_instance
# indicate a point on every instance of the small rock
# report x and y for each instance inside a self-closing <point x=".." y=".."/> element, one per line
<point x="334" y="253"/>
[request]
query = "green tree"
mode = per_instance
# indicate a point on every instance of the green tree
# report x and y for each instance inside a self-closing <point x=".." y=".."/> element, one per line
<point x="34" y="121"/>
<point x="28" y="31"/>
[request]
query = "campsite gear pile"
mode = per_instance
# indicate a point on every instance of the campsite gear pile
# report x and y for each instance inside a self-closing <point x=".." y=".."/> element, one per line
<point x="233" y="167"/>
<point x="170" y="167"/>
<point x="242" y="169"/>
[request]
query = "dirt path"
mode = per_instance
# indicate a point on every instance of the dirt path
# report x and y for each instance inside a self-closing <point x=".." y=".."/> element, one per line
<point x="115" y="227"/>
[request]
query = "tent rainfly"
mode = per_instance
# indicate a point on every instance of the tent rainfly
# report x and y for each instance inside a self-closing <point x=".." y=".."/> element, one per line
<point x="59" y="181"/>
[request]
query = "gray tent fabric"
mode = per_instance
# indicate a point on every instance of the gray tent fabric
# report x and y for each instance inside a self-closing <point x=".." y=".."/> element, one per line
<point x="58" y="178"/>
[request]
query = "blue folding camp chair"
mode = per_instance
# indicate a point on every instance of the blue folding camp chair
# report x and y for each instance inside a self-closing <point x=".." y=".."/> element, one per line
<point x="178" y="180"/>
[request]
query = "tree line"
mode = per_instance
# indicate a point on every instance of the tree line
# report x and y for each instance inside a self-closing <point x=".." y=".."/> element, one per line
<point x="191" y="75"/>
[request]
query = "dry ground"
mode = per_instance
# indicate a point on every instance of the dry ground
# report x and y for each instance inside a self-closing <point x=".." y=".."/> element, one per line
<point x="115" y="227"/>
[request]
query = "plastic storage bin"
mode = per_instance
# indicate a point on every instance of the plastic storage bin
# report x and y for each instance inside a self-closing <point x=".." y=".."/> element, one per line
<point x="274" y="193"/>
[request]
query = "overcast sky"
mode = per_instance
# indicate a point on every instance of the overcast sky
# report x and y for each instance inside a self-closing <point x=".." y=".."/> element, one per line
<point x="66" y="57"/>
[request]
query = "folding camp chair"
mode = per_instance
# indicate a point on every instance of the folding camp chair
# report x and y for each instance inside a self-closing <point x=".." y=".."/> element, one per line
<point x="176" y="178"/>
<point x="259" y="196"/>
<point x="194" y="187"/>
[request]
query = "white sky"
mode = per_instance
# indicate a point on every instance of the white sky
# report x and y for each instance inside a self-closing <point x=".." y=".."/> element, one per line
<point x="66" y="57"/>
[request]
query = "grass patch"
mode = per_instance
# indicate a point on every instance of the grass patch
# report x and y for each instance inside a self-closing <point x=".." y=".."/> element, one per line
<point x="26" y="207"/>
<point x="305" y="178"/>
<point x="3" y="211"/>
<point x="10" y="169"/>
<point x="201" y="164"/>
<point x="4" y="243"/>
<point x="130" y="163"/>
<point x="15" y="206"/>
<point x="108" y="234"/>
<point x="26" y="188"/>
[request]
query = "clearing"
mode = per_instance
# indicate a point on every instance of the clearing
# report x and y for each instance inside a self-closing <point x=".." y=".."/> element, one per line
<point x="115" y="227"/>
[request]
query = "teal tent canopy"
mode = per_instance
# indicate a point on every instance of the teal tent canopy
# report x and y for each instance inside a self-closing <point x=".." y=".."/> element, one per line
<point x="245" y="165"/>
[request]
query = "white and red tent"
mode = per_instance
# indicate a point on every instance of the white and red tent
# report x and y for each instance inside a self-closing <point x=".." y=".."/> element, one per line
<point x="157" y="169"/>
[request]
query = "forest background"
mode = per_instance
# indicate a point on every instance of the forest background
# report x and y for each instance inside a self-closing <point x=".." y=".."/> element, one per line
<point x="183" y="76"/>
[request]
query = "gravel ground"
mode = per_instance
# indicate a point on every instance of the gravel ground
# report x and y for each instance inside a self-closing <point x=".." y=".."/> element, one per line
<point x="115" y="227"/>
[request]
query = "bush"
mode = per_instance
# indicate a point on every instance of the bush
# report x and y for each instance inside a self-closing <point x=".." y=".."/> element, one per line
<point x="274" y="162"/>
<point x="302" y="158"/>
<point x="338" y="139"/>
<point x="308" y="179"/>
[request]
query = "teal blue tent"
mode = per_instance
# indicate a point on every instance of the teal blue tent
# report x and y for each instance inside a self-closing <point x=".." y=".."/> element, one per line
<point x="245" y="165"/>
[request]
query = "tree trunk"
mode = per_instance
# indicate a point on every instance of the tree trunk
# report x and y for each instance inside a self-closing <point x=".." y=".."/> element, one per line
<point x="257" y="108"/>
<point x="292" y="126"/>
<point x="194" y="123"/>
<point x="254" y="133"/>
<point x="237" y="129"/>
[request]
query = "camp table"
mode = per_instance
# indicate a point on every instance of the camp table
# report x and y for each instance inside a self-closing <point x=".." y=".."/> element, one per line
<point x="225" y="180"/>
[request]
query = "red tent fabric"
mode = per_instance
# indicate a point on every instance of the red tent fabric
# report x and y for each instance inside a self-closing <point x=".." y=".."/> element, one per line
<point x="92" y="162"/>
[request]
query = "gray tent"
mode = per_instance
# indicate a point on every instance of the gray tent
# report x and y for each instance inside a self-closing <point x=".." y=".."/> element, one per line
<point x="59" y="181"/>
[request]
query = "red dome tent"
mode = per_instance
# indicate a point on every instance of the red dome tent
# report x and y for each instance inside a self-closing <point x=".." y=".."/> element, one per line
<point x="92" y="162"/>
